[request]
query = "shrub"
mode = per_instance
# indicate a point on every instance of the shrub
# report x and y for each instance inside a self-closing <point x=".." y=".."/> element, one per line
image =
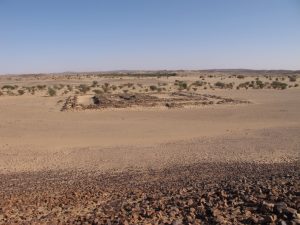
<point x="95" y="83"/>
<point x="105" y="87"/>
<point x="51" y="91"/>
<point x="41" y="87"/>
<point x="278" y="85"/>
<point x="21" y="92"/>
<point x="220" y="84"/>
<point x="293" y="78"/>
<point x="223" y="85"/>
<point x="244" y="85"/>
<point x="9" y="87"/>
<point x="259" y="84"/>
<point x="98" y="92"/>
<point x="240" y="76"/>
<point x="153" y="88"/>
<point x="83" y="88"/>
<point x="69" y="87"/>
<point x="198" y="83"/>
<point x="181" y="84"/>
<point x="58" y="87"/>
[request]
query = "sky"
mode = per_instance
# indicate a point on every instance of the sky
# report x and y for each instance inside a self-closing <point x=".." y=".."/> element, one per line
<point x="100" y="35"/>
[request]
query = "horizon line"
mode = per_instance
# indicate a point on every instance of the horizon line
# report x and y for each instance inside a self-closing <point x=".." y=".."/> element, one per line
<point x="145" y="70"/>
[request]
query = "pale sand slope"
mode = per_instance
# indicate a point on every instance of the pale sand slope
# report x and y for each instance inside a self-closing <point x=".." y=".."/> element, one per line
<point x="35" y="135"/>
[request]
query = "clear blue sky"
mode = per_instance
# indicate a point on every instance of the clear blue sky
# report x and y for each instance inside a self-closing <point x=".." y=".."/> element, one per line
<point x="91" y="35"/>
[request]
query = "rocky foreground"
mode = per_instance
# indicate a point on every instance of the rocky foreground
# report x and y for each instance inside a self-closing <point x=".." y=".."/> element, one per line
<point x="212" y="193"/>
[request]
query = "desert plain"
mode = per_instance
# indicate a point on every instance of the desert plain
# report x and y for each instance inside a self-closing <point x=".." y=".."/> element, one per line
<point x="162" y="147"/>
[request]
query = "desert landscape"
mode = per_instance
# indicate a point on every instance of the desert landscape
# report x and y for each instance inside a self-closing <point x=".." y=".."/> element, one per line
<point x="150" y="147"/>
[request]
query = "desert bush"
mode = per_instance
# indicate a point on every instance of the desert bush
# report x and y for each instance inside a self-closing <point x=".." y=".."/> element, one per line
<point x="51" y="91"/>
<point x="259" y="84"/>
<point x="105" y="87"/>
<point x="223" y="85"/>
<point x="153" y="88"/>
<point x="95" y="83"/>
<point x="240" y="76"/>
<point x="21" y="92"/>
<point x="199" y="83"/>
<point x="10" y="93"/>
<point x="58" y="87"/>
<point x="31" y="89"/>
<point x="293" y="78"/>
<point x="69" y="87"/>
<point x="41" y="87"/>
<point x="181" y="84"/>
<point x="220" y="84"/>
<point x="278" y="85"/>
<point x="97" y="91"/>
<point x="1" y="93"/>
<point x="244" y="85"/>
<point x="9" y="87"/>
<point x="296" y="85"/>
<point x="83" y="88"/>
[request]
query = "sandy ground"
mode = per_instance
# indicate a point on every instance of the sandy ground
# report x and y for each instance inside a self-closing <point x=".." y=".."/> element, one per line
<point x="210" y="164"/>
<point x="35" y="135"/>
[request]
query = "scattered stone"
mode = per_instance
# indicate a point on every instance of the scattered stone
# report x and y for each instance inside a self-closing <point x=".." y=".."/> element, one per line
<point x="196" y="194"/>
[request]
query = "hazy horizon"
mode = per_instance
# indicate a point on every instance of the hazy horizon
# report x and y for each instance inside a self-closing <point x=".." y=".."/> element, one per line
<point x="76" y="36"/>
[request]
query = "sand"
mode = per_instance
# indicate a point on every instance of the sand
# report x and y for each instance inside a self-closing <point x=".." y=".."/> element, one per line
<point x="37" y="138"/>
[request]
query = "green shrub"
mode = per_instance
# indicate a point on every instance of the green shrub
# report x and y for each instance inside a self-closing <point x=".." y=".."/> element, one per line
<point x="181" y="84"/>
<point x="259" y="84"/>
<point x="9" y="87"/>
<point x="223" y="85"/>
<point x="51" y="91"/>
<point x="220" y="84"/>
<point x="278" y="85"/>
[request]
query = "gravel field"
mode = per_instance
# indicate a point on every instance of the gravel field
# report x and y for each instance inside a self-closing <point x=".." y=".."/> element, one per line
<point x="206" y="193"/>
